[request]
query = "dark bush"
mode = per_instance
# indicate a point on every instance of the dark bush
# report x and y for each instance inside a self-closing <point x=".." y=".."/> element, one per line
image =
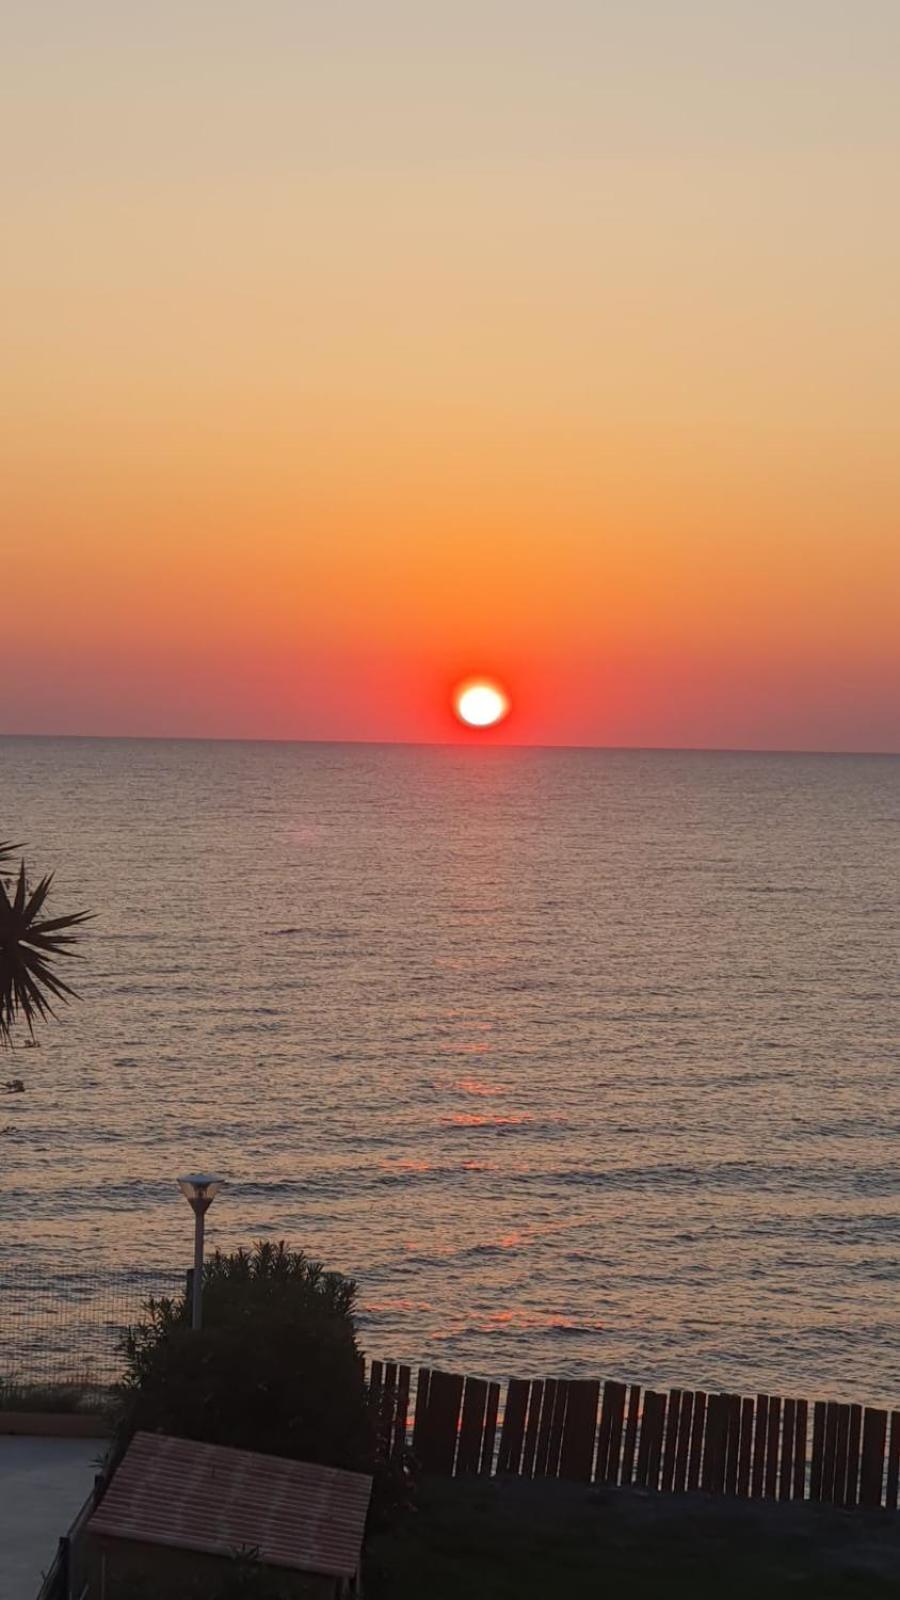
<point x="275" y="1368"/>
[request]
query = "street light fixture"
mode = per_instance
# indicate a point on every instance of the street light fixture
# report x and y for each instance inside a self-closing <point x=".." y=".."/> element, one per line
<point x="199" y="1192"/>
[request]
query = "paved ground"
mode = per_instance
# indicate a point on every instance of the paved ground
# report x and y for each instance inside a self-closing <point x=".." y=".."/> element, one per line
<point x="43" y="1484"/>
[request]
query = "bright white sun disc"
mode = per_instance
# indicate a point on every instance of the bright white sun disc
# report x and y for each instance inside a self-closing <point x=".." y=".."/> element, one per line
<point x="480" y="705"/>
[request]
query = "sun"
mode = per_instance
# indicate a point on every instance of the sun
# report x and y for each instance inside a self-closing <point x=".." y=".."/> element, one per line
<point x="480" y="703"/>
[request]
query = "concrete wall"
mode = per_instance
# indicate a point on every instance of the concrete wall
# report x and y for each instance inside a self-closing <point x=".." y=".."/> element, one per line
<point x="56" y="1425"/>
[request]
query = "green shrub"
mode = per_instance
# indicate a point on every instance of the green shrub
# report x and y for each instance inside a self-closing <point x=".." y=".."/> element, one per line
<point x="276" y="1367"/>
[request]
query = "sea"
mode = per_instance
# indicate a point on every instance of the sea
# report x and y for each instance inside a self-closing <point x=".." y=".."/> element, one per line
<point x="580" y="1062"/>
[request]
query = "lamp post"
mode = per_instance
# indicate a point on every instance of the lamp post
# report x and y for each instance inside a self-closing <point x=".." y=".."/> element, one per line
<point x="199" y="1192"/>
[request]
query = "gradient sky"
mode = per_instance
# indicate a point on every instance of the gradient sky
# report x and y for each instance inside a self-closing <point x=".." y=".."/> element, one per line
<point x="351" y="349"/>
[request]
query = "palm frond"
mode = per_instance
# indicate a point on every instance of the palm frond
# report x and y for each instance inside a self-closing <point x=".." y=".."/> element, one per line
<point x="38" y="896"/>
<point x="29" y="945"/>
<point x="7" y="851"/>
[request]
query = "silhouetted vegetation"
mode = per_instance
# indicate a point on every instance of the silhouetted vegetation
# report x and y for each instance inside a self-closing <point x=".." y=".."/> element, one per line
<point x="55" y="1398"/>
<point x="30" y="945"/>
<point x="276" y="1367"/>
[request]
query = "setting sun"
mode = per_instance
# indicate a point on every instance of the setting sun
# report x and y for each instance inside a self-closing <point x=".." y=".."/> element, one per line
<point x="480" y="703"/>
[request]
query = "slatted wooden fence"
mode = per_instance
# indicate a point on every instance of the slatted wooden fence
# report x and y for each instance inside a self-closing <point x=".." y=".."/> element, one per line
<point x="763" y="1448"/>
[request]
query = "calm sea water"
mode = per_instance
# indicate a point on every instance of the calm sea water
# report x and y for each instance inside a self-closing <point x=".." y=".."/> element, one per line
<point x="583" y="1062"/>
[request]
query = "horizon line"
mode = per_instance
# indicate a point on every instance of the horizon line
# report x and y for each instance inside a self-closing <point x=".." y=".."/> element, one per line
<point x="451" y="744"/>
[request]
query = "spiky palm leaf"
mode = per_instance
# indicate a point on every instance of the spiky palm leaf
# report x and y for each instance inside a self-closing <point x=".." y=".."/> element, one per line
<point x="7" y="851"/>
<point x="29" y="946"/>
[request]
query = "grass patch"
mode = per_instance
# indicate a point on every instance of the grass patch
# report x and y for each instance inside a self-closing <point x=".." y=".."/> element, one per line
<point x="513" y="1540"/>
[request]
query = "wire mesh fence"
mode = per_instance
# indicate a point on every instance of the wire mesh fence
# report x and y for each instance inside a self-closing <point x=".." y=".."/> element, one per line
<point x="68" y="1330"/>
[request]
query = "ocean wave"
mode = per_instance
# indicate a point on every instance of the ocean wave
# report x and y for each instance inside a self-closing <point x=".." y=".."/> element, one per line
<point x="693" y="1119"/>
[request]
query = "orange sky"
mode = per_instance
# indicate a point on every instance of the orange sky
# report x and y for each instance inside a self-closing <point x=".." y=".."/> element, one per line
<point x="346" y="359"/>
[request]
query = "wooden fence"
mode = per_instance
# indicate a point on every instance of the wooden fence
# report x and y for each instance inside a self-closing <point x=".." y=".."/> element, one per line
<point x="767" y="1447"/>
